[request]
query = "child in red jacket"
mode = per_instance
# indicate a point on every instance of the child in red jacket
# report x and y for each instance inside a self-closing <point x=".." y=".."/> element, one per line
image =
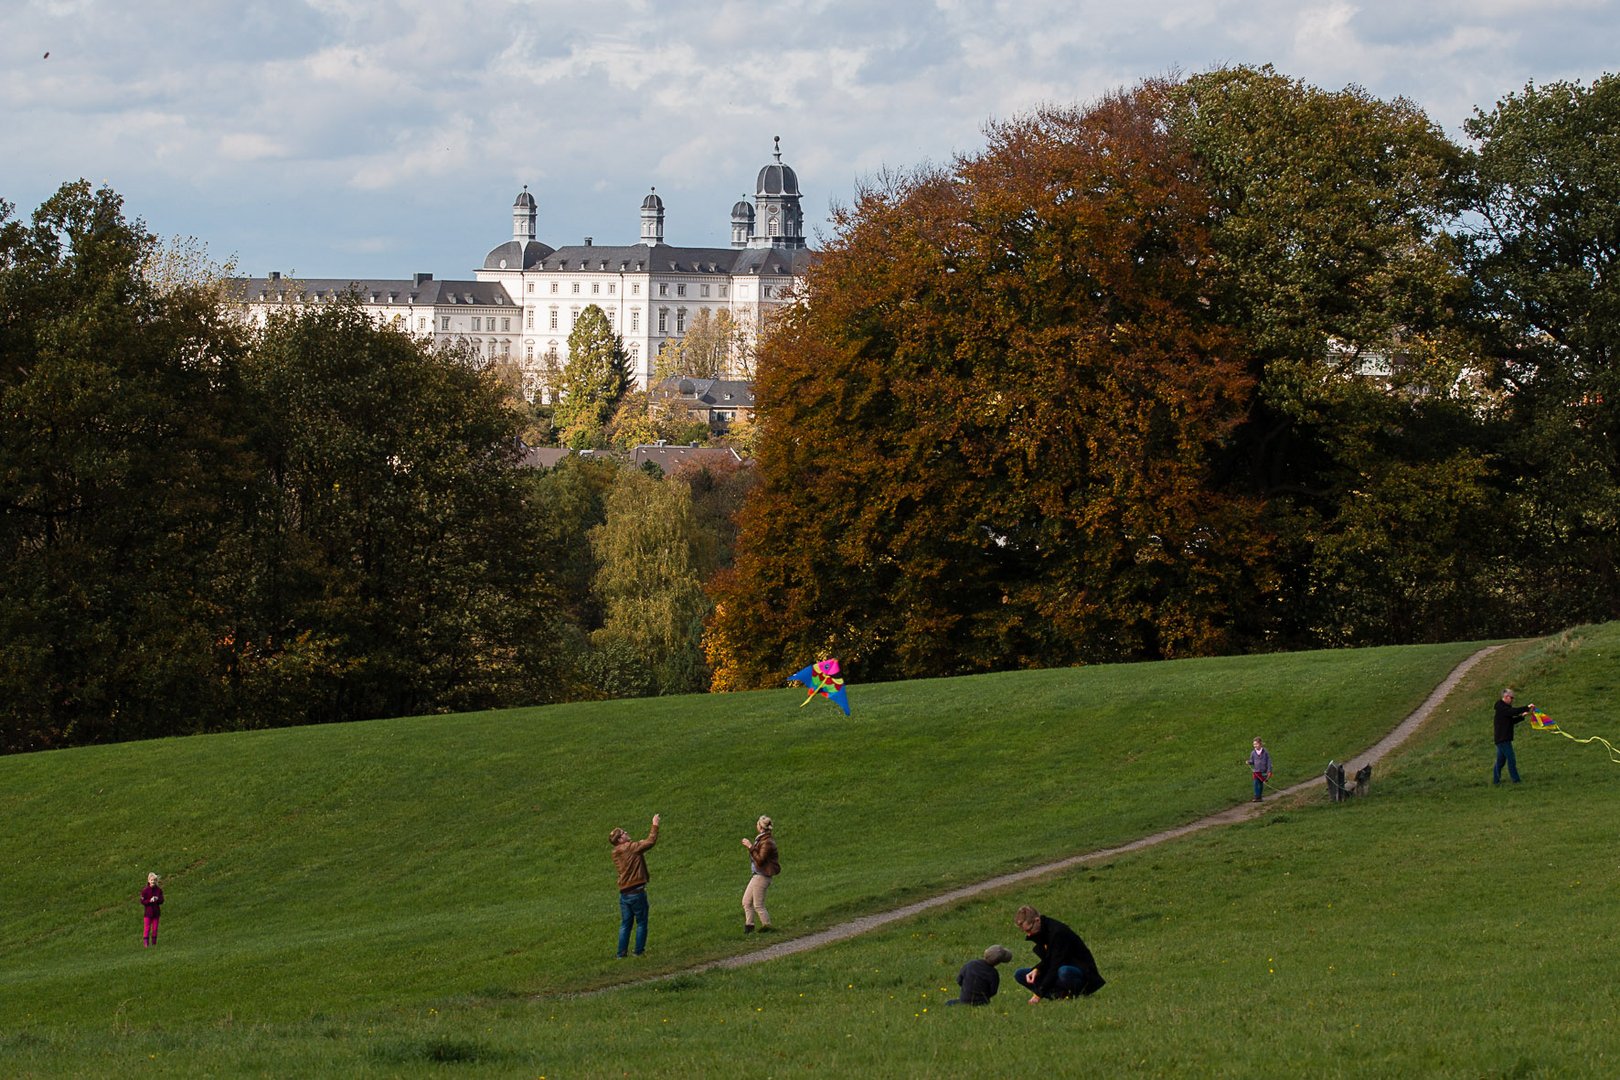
<point x="152" y="900"/>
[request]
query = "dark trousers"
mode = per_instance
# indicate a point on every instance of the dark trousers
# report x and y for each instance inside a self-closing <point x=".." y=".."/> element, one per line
<point x="633" y="909"/>
<point x="1504" y="752"/>
<point x="1069" y="981"/>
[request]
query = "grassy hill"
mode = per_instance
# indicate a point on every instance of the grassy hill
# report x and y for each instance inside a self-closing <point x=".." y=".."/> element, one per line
<point x="404" y="897"/>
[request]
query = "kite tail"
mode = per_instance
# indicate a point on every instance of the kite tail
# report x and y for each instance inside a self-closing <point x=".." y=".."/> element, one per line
<point x="1614" y="755"/>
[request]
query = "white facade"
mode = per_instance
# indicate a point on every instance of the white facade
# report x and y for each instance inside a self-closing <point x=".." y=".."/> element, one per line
<point x="527" y="295"/>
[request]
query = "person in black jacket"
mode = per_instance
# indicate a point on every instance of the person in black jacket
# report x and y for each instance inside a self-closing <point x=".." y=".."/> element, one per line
<point x="979" y="979"/>
<point x="1506" y="717"/>
<point x="1066" y="968"/>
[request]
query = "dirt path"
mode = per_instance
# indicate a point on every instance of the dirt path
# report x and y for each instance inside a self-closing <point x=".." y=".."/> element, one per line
<point x="1242" y="812"/>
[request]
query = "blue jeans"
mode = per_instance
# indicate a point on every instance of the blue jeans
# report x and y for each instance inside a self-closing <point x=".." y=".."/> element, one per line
<point x="1069" y="981"/>
<point x="633" y="909"/>
<point x="1504" y="752"/>
<point x="1259" y="786"/>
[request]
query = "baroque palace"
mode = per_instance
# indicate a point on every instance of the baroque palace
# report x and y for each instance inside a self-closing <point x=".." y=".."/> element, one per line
<point x="526" y="297"/>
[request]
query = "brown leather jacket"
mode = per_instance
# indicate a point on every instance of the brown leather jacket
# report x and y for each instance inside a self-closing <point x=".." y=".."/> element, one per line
<point x="632" y="863"/>
<point x="763" y="853"/>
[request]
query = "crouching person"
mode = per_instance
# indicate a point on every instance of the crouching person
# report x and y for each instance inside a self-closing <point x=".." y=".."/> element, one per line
<point x="1065" y="967"/>
<point x="979" y="979"/>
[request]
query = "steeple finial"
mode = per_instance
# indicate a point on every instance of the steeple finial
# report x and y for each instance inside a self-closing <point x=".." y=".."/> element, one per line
<point x="778" y="151"/>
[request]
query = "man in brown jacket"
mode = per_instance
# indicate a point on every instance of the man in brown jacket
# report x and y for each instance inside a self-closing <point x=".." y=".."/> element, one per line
<point x="629" y="856"/>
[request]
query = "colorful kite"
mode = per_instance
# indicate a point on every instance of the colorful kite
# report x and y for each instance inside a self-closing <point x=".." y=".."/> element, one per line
<point x="1540" y="721"/>
<point x="823" y="678"/>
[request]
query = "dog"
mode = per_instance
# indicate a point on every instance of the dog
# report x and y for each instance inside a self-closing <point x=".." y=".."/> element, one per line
<point x="1363" y="780"/>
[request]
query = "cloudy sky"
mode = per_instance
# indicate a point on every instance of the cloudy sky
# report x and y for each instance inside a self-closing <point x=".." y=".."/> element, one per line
<point x="377" y="138"/>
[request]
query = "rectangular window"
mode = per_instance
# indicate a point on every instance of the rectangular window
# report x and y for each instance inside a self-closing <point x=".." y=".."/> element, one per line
<point x="576" y="288"/>
<point x="680" y="321"/>
<point x="573" y="318"/>
<point x="528" y="320"/>
<point x="612" y="287"/>
<point x="680" y="290"/>
<point x="635" y="288"/>
<point x="635" y="320"/>
<point x="722" y="292"/>
<point x="554" y="288"/>
<point x="444" y="323"/>
<point x="704" y="290"/>
<point x="596" y="288"/>
<point x="421" y="324"/>
<point x="663" y="320"/>
<point x="765" y="291"/>
<point x="506" y="322"/>
<point x="531" y="286"/>
<point x="663" y="289"/>
<point x="611" y="321"/>
<point x="554" y="318"/>
<point x="478" y="324"/>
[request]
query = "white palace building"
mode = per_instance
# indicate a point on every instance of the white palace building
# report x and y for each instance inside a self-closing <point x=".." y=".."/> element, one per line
<point x="525" y="298"/>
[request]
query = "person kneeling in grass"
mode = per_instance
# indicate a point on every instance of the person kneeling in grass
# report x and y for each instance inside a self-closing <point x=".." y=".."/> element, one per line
<point x="1066" y="968"/>
<point x="979" y="979"/>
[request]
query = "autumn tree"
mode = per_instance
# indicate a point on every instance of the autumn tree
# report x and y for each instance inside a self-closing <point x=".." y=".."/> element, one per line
<point x="987" y="435"/>
<point x="1546" y="262"/>
<point x="713" y="347"/>
<point x="595" y="377"/>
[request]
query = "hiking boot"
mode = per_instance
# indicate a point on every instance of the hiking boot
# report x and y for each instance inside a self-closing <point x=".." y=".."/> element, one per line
<point x="748" y="928"/>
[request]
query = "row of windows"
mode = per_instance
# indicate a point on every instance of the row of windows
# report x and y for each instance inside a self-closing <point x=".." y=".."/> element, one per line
<point x="704" y="290"/>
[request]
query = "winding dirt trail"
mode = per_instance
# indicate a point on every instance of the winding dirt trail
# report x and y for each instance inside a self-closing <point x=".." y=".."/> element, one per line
<point x="1242" y="812"/>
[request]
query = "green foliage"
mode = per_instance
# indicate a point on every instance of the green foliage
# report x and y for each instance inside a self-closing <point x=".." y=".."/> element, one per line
<point x="1328" y="212"/>
<point x="119" y="480"/>
<point x="385" y="534"/>
<point x="1546" y="262"/>
<point x="595" y="377"/>
<point x="713" y="347"/>
<point x="649" y="553"/>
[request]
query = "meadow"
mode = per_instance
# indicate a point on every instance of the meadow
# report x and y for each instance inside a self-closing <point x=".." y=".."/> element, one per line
<point x="433" y="896"/>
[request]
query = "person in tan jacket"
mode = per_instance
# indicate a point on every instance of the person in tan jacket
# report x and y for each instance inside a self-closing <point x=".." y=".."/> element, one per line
<point x="629" y="856"/>
<point x="765" y="865"/>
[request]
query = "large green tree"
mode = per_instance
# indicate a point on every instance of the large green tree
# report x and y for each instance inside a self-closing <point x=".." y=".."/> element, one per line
<point x="1328" y="211"/>
<point x="119" y="480"/>
<point x="391" y="532"/>
<point x="1546" y="262"/>
<point x="650" y="550"/>
<point x="988" y="434"/>
<point x="595" y="377"/>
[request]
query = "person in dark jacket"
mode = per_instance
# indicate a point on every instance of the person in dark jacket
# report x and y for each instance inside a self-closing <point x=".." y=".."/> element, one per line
<point x="629" y="856"/>
<point x="152" y="902"/>
<point x="979" y="979"/>
<point x="1066" y="968"/>
<point x="1260" y="766"/>
<point x="1506" y="717"/>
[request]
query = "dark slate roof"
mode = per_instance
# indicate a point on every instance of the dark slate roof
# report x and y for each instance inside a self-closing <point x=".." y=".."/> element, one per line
<point x="668" y="458"/>
<point x="725" y="393"/>
<point x="777" y="179"/>
<point x="666" y="258"/>
<point x="513" y="255"/>
<point x="543" y="457"/>
<point x="419" y="290"/>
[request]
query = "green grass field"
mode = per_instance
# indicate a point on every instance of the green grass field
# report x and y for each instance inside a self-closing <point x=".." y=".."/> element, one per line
<point x="433" y="896"/>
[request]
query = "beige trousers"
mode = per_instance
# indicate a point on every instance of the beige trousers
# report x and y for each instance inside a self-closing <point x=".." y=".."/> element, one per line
<point x="754" y="900"/>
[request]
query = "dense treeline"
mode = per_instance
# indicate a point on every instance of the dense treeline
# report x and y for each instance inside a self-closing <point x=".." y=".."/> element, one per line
<point x="1214" y="365"/>
<point x="1217" y="364"/>
<point x="208" y="527"/>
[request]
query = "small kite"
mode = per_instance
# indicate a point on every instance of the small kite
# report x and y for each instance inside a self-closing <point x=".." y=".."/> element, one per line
<point x="1540" y="721"/>
<point x="823" y="678"/>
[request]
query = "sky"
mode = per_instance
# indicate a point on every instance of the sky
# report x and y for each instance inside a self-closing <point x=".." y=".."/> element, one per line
<point x="381" y="138"/>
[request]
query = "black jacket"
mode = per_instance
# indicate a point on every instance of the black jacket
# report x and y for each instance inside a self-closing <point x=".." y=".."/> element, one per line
<point x="1058" y="946"/>
<point x="1506" y="717"/>
<point x="979" y="981"/>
